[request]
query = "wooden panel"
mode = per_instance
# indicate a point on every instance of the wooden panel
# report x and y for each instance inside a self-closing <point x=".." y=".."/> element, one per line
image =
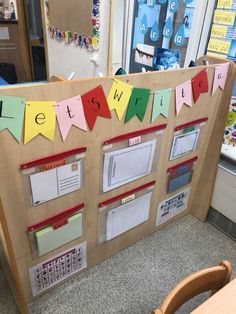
<point x="71" y="15"/>
<point x="19" y="214"/>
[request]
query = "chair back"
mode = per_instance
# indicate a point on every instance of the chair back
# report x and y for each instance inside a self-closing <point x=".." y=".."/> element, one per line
<point x="213" y="278"/>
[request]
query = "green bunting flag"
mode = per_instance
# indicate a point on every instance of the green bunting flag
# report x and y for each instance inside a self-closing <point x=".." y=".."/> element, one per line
<point x="161" y="103"/>
<point x="138" y="104"/>
<point x="12" y="111"/>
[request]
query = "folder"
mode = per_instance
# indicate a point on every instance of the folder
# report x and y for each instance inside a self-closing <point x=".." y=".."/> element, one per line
<point x="57" y="231"/>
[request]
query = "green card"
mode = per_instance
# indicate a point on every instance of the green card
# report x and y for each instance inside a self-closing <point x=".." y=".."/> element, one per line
<point x="138" y="104"/>
<point x="12" y="111"/>
<point x="161" y="103"/>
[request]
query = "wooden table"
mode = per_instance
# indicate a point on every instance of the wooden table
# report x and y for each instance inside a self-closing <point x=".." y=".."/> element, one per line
<point x="223" y="302"/>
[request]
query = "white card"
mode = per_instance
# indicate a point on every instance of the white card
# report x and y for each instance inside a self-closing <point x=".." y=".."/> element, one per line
<point x="172" y="206"/>
<point x="50" y="272"/>
<point x="184" y="144"/>
<point x="56" y="182"/>
<point x="127" y="164"/>
<point x="127" y="216"/>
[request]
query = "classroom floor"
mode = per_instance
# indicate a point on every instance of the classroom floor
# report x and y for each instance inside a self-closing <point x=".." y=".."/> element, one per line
<point x="137" y="279"/>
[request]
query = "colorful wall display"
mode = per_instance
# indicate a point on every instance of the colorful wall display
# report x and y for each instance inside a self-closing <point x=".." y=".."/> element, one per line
<point x="39" y="117"/>
<point x="74" y="22"/>
<point x="160" y="34"/>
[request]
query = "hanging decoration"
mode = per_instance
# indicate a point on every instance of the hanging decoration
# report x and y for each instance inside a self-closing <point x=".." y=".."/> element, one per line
<point x="81" y="111"/>
<point x="173" y="6"/>
<point x="75" y="36"/>
<point x="168" y="28"/>
<point x="180" y="39"/>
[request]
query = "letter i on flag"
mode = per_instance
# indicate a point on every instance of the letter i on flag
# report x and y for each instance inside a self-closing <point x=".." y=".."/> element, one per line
<point x="138" y="104"/>
<point x="220" y="77"/>
<point x="40" y="118"/>
<point x="200" y="84"/>
<point x="12" y="111"/>
<point x="119" y="97"/>
<point x="183" y="95"/>
<point x="70" y="112"/>
<point x="95" y="104"/>
<point x="161" y="103"/>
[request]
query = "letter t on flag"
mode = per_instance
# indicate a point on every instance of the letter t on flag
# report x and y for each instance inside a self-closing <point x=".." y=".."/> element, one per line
<point x="200" y="84"/>
<point x="95" y="104"/>
<point x="119" y="97"/>
<point x="220" y="77"/>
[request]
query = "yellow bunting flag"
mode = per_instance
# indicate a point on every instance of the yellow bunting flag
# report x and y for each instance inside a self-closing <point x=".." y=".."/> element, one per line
<point x="40" y="118"/>
<point x="119" y="97"/>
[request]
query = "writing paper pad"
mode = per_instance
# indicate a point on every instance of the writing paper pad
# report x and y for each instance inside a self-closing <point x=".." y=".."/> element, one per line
<point x="184" y="144"/>
<point x="127" y="164"/>
<point x="127" y="216"/>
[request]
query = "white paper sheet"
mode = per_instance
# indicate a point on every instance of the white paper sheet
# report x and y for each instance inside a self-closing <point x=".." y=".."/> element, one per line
<point x="184" y="144"/>
<point x="4" y="33"/>
<point x="127" y="164"/>
<point x="172" y="206"/>
<point x="53" y="183"/>
<point x="127" y="216"/>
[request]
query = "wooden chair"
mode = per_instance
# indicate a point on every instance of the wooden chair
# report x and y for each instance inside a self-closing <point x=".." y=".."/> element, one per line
<point x="213" y="278"/>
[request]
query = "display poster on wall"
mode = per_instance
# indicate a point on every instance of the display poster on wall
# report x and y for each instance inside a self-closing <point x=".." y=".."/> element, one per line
<point x="161" y="30"/>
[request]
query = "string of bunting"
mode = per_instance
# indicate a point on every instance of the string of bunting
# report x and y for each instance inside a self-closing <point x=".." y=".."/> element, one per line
<point x="82" y="110"/>
<point x="69" y="37"/>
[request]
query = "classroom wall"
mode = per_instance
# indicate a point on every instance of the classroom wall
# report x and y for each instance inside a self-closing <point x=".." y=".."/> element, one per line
<point x="64" y="59"/>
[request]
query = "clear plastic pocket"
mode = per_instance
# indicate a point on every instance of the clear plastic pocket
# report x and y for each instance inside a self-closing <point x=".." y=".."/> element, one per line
<point x="130" y="157"/>
<point x="187" y="138"/>
<point x="124" y="212"/>
<point x="56" y="231"/>
<point x="52" y="177"/>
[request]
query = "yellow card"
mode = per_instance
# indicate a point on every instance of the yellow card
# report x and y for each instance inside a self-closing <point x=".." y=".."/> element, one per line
<point x="224" y="17"/>
<point x="224" y="4"/>
<point x="216" y="55"/>
<point x="40" y="118"/>
<point x="119" y="97"/>
<point x="219" y="31"/>
<point x="217" y="45"/>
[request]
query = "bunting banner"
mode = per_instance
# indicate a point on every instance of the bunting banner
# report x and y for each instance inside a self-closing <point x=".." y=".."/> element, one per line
<point x="138" y="104"/>
<point x="220" y="77"/>
<point x="95" y="104"/>
<point x="40" y="118"/>
<point x="161" y="103"/>
<point x="200" y="84"/>
<point x="12" y="111"/>
<point x="119" y="97"/>
<point x="70" y="112"/>
<point x="183" y="95"/>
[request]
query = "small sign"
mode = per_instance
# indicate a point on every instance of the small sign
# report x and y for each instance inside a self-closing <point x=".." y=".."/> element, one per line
<point x="4" y="33"/>
<point x="134" y="141"/>
<point x="52" y="165"/>
<point x="128" y="199"/>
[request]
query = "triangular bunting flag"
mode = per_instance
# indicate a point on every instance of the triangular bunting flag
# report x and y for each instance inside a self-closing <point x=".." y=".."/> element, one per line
<point x="220" y="77"/>
<point x="138" y="104"/>
<point x="200" y="84"/>
<point x="161" y="103"/>
<point x="95" y="104"/>
<point x="12" y="111"/>
<point x="183" y="95"/>
<point x="70" y="112"/>
<point x="119" y="97"/>
<point x="40" y="118"/>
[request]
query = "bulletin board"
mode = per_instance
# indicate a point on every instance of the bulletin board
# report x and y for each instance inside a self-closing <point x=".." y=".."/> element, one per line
<point x="185" y="182"/>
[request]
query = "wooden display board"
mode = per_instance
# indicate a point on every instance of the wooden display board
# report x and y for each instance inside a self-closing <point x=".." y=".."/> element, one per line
<point x="16" y="215"/>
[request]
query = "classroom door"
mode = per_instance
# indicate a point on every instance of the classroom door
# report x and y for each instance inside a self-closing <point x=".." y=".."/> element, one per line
<point x="162" y="35"/>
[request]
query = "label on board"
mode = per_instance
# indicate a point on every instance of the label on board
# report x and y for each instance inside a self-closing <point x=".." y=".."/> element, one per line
<point x="135" y="140"/>
<point x="52" y="165"/>
<point x="128" y="199"/>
